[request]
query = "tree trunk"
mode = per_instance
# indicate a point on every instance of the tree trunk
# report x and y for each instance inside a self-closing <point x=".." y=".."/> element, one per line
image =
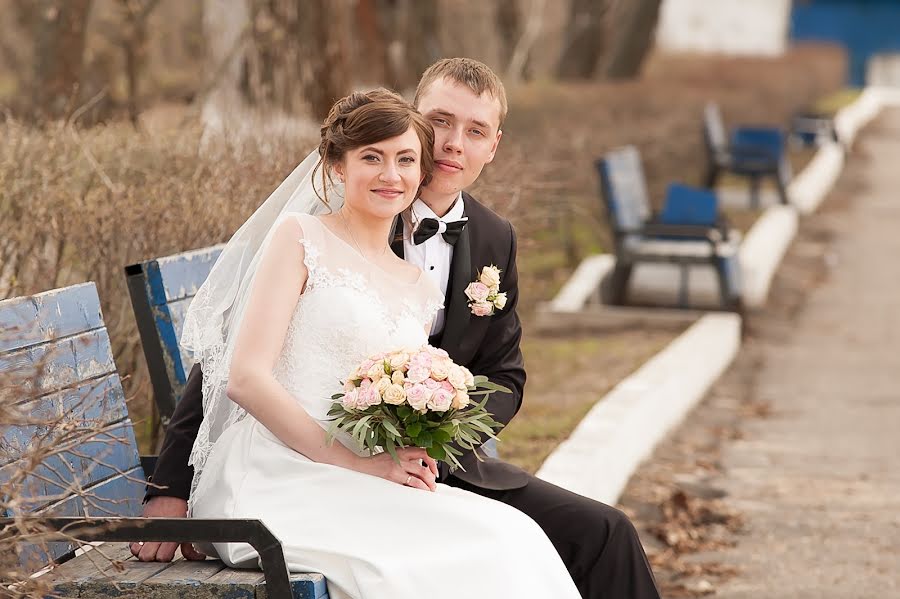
<point x="583" y="40"/>
<point x="509" y="28"/>
<point x="329" y="29"/>
<point x="635" y="24"/>
<point x="59" y="38"/>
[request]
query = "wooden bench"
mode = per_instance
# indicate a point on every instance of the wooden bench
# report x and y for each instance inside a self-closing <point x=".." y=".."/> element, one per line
<point x="752" y="152"/>
<point x="70" y="463"/>
<point x="688" y="231"/>
<point x="161" y="291"/>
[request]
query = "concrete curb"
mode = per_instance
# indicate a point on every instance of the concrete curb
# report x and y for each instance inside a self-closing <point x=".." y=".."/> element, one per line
<point x="625" y="426"/>
<point x="621" y="430"/>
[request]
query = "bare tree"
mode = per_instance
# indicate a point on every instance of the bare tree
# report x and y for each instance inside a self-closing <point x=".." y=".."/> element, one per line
<point x="635" y="22"/>
<point x="519" y="57"/>
<point x="583" y="39"/>
<point x="58" y="28"/>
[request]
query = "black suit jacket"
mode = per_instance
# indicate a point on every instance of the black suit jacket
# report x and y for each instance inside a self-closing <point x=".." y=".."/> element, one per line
<point x="486" y="345"/>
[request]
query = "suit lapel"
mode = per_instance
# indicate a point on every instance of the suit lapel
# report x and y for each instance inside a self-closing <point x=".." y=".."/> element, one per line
<point x="458" y="313"/>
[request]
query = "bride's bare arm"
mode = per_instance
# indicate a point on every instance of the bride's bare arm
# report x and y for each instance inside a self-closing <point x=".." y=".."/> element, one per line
<point x="251" y="384"/>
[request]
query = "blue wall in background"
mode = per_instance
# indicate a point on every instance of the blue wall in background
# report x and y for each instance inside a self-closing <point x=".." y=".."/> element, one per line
<point x="864" y="27"/>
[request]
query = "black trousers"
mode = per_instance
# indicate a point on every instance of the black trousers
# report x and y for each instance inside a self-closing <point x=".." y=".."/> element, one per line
<point x="598" y="543"/>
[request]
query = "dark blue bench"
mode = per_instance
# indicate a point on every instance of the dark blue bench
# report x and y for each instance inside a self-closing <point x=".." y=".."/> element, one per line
<point x="688" y="231"/>
<point x="161" y="290"/>
<point x="751" y="152"/>
<point x="69" y="462"/>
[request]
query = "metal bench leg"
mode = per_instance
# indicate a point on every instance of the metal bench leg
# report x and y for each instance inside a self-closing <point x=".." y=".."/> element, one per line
<point x="683" y="287"/>
<point x="712" y="175"/>
<point x="619" y="283"/>
<point x="782" y="189"/>
<point x="754" y="192"/>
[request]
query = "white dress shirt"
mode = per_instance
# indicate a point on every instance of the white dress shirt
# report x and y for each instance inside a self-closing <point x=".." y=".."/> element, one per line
<point x="434" y="254"/>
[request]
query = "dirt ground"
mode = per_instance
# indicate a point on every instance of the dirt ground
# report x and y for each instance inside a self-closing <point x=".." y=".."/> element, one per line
<point x="711" y="524"/>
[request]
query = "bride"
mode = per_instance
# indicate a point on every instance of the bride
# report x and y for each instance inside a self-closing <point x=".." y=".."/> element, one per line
<point x="304" y="291"/>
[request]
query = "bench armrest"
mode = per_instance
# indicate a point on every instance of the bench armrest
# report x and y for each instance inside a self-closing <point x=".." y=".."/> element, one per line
<point x="180" y="530"/>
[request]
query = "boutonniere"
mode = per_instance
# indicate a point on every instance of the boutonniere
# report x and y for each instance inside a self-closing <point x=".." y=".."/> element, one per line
<point x="484" y="292"/>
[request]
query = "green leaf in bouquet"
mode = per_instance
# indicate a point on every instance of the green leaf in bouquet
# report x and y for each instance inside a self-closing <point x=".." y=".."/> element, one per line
<point x="437" y="452"/>
<point x="424" y="439"/>
<point x="413" y="429"/>
<point x="492" y="387"/>
<point x="452" y="450"/>
<point x="404" y="412"/>
<point x="441" y="436"/>
<point x="359" y="427"/>
<point x="479" y="379"/>
<point x="391" y="428"/>
<point x="392" y="449"/>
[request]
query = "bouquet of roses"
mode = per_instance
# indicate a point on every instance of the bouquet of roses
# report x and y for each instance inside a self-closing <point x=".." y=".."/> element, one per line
<point x="417" y="398"/>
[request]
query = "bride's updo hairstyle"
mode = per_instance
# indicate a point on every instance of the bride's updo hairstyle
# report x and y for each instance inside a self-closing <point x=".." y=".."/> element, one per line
<point x="365" y="118"/>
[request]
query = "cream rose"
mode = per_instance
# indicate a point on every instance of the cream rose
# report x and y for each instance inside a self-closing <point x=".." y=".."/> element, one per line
<point x="376" y="371"/>
<point x="383" y="384"/>
<point x="395" y="395"/>
<point x="460" y="400"/>
<point x="457" y="377"/>
<point x="500" y="301"/>
<point x="440" y="368"/>
<point x="470" y="378"/>
<point x="398" y="378"/>
<point x="490" y="276"/>
<point x="398" y="360"/>
<point x="417" y="397"/>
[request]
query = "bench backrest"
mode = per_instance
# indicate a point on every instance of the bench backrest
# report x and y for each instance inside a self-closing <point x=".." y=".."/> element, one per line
<point x="624" y="189"/>
<point x="55" y="355"/>
<point x="714" y="133"/>
<point x="161" y="291"/>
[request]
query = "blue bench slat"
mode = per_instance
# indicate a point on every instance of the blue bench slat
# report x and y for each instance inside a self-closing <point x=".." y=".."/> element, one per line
<point x="60" y="363"/>
<point x="623" y="177"/>
<point x="177" y="312"/>
<point x="183" y="274"/>
<point x="40" y="318"/>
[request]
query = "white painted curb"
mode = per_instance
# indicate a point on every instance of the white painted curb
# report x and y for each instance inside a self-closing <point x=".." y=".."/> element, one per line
<point x="583" y="283"/>
<point x="621" y="430"/>
<point x="762" y="251"/>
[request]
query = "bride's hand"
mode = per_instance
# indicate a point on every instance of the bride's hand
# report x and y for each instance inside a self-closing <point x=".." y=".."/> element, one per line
<point x="416" y="469"/>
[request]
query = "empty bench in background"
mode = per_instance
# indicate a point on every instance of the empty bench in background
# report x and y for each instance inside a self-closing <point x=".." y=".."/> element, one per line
<point x="688" y="231"/>
<point x="55" y="352"/>
<point x="755" y="153"/>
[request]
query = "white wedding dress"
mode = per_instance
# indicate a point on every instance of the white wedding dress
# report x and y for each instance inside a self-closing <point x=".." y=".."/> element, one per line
<point x="371" y="538"/>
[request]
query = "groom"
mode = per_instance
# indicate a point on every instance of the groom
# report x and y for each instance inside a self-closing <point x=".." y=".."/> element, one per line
<point x="453" y="238"/>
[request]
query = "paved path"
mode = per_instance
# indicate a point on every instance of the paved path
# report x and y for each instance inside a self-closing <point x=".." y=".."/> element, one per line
<point x="819" y="479"/>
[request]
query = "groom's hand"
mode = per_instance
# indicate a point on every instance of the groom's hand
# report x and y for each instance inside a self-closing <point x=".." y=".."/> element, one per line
<point x="161" y="506"/>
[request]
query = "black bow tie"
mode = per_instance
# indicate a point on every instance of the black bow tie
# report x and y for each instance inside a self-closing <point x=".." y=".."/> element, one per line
<point x="430" y="226"/>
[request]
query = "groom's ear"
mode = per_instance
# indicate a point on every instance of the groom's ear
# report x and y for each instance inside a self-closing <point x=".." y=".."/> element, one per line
<point x="494" y="146"/>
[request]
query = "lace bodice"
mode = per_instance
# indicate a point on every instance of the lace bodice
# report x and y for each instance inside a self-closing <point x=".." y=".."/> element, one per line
<point x="349" y="309"/>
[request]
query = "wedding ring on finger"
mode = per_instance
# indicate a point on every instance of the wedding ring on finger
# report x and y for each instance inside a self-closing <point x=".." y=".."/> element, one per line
<point x="408" y="478"/>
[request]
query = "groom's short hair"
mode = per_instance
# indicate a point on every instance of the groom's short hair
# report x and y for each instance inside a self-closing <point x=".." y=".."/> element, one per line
<point x="475" y="75"/>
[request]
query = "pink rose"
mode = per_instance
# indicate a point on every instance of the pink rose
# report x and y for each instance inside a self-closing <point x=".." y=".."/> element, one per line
<point x="477" y="292"/>
<point x="417" y="373"/>
<point x="422" y="359"/>
<point x="417" y="397"/>
<point x="446" y="385"/>
<point x="482" y="309"/>
<point x="349" y="386"/>
<point x="364" y="368"/>
<point x="370" y="397"/>
<point x="349" y="401"/>
<point x="431" y="384"/>
<point x="436" y="351"/>
<point x="441" y="400"/>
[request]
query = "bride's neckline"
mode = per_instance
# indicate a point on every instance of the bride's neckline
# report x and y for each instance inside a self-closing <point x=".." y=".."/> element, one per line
<point x="357" y="253"/>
